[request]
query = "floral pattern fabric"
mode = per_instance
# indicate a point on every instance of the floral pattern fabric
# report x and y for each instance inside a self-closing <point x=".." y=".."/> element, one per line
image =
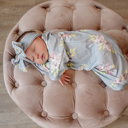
<point x="86" y="50"/>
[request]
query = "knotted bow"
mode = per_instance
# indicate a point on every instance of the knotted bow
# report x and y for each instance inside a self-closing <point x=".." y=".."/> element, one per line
<point x="20" y="58"/>
<point x="20" y="47"/>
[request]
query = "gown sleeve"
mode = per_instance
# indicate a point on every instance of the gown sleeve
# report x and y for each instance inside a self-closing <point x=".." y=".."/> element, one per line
<point x="57" y="56"/>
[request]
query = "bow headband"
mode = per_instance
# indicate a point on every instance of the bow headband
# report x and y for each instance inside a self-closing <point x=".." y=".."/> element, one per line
<point x="20" y="48"/>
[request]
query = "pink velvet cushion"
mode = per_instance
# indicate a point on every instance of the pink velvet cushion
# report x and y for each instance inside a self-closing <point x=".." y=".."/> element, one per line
<point x="86" y="102"/>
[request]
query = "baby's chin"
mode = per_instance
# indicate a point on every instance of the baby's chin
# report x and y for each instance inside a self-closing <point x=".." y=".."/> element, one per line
<point x="41" y="62"/>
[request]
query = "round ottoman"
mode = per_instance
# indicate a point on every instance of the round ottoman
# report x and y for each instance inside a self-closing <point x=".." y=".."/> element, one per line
<point x="86" y="102"/>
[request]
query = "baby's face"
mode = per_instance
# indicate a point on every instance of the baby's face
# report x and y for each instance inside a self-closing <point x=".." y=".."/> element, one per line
<point x="37" y="51"/>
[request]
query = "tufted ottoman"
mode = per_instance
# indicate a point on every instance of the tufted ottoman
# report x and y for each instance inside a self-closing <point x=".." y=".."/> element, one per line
<point x="86" y="102"/>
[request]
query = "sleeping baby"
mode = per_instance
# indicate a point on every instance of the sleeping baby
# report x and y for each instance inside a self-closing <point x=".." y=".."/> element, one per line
<point x="54" y="54"/>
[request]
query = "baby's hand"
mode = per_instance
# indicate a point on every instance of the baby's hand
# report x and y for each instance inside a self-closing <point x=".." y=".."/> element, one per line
<point x="64" y="79"/>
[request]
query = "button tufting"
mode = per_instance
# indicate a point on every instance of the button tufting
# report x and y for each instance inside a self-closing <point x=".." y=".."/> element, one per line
<point x="74" y="116"/>
<point x="74" y="85"/>
<point x="106" y="113"/>
<point x="73" y="8"/>
<point x="16" y="85"/>
<point x="44" y="83"/>
<point x="103" y="84"/>
<point x="17" y="31"/>
<point x="44" y="114"/>
<point x="48" y="9"/>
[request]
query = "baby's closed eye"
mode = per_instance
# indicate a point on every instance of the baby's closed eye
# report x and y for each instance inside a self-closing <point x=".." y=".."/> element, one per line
<point x="32" y="58"/>
<point x="34" y="49"/>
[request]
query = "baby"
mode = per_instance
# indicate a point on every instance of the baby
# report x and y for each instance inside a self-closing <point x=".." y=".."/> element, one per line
<point x="53" y="54"/>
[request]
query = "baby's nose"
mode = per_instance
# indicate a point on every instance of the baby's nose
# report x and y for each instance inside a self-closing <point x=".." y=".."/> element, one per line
<point x="37" y="55"/>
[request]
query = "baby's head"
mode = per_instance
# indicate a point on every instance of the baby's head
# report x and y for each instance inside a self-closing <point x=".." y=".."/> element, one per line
<point x="30" y="47"/>
<point x="36" y="50"/>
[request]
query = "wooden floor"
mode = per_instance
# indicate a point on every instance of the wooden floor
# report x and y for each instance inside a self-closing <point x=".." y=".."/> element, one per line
<point x="10" y="12"/>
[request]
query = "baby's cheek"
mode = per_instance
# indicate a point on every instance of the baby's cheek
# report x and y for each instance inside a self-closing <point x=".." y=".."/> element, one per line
<point x="39" y="61"/>
<point x="28" y="58"/>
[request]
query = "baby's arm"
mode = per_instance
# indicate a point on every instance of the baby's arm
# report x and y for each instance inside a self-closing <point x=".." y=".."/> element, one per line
<point x="65" y="79"/>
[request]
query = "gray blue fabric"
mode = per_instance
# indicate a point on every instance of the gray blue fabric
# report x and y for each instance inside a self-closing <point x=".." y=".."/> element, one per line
<point x="85" y="50"/>
<point x="20" y="48"/>
<point x="28" y="39"/>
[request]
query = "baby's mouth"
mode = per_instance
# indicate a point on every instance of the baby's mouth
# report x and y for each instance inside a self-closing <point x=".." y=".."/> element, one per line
<point x="42" y="57"/>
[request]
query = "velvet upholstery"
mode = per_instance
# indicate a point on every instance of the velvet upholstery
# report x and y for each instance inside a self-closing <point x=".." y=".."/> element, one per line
<point x="86" y="102"/>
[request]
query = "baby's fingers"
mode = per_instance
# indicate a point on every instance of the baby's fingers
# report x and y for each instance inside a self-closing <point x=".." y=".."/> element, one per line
<point x="65" y="82"/>
<point x="67" y="79"/>
<point x="66" y="76"/>
<point x="61" y="82"/>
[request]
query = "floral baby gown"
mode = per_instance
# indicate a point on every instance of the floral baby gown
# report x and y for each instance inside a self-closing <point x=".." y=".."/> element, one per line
<point x="88" y="50"/>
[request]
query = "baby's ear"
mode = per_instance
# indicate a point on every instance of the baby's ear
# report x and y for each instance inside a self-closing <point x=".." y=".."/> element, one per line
<point x="38" y="31"/>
